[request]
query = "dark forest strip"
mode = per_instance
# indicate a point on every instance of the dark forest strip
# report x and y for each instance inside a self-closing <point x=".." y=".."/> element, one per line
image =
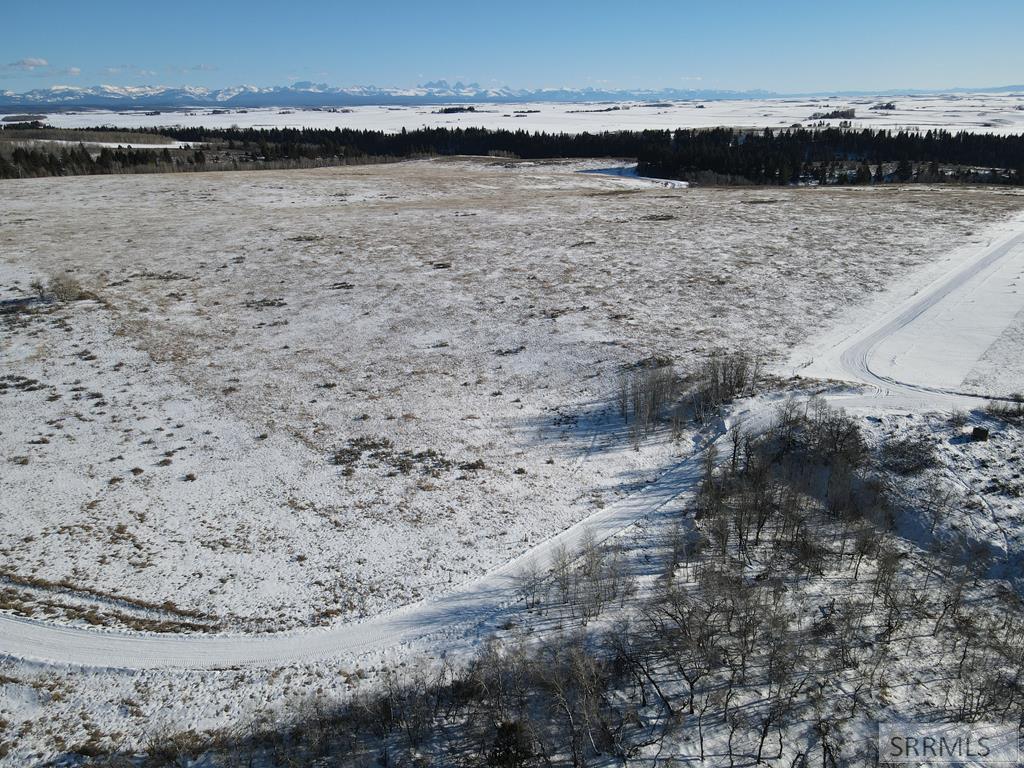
<point x="711" y="156"/>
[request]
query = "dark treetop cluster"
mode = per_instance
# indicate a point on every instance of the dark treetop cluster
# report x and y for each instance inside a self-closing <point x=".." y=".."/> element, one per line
<point x="716" y="156"/>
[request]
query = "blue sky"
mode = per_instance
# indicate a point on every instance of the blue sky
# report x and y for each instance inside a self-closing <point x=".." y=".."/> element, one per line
<point x="778" y="45"/>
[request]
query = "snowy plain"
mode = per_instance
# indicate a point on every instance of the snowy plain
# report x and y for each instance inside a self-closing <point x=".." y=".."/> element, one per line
<point x="178" y="441"/>
<point x="1001" y="113"/>
<point x="394" y="302"/>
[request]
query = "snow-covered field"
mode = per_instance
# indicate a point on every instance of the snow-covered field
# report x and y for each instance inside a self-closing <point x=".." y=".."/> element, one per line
<point x="167" y="446"/>
<point x="978" y="112"/>
<point x="176" y="440"/>
<point x="1001" y="367"/>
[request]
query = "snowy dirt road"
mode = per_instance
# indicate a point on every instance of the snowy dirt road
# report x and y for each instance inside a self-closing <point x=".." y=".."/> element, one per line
<point x="918" y="354"/>
<point x="908" y="357"/>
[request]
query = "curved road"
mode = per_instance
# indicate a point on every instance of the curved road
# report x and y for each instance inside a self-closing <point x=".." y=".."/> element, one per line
<point x="462" y="609"/>
<point x="914" y="324"/>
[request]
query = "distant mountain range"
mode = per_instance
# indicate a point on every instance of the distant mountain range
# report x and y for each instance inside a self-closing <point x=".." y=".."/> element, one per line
<point x="307" y="94"/>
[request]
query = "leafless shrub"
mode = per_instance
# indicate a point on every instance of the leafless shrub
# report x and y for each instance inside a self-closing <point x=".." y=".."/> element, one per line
<point x="909" y="455"/>
<point x="644" y="394"/>
<point x="1007" y="410"/>
<point x="174" y="750"/>
<point x="529" y="585"/>
<point x="601" y="578"/>
<point x="833" y="434"/>
<point x="650" y="392"/>
<point x="722" y="378"/>
<point x="936" y="503"/>
<point x="64" y="287"/>
<point x="958" y="419"/>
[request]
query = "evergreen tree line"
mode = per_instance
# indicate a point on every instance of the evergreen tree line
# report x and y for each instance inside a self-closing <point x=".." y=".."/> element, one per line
<point x="31" y="162"/>
<point x="774" y="157"/>
<point x="835" y="155"/>
<point x="292" y="143"/>
<point x="717" y="155"/>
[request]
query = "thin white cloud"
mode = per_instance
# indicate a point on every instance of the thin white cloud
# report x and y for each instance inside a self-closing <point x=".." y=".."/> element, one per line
<point x="128" y="69"/>
<point x="28" y="64"/>
<point x="184" y="70"/>
<point x="35" y="67"/>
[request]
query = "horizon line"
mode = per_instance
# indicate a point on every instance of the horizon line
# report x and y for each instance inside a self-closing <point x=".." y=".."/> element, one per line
<point x="441" y="84"/>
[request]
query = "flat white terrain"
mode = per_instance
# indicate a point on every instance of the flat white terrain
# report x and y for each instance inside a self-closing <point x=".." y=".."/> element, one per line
<point x="301" y="401"/>
<point x="172" y="455"/>
<point x="975" y="112"/>
<point x="915" y="380"/>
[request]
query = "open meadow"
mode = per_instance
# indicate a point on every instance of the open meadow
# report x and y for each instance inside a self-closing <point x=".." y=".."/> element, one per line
<point x="298" y="398"/>
<point x="262" y="402"/>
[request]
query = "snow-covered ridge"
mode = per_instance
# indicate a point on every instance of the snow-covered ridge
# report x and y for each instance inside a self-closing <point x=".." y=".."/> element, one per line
<point x="308" y="94"/>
